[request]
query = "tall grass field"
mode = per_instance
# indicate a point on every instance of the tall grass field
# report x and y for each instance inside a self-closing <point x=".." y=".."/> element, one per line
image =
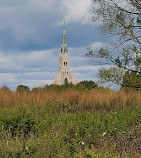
<point x="70" y="123"/>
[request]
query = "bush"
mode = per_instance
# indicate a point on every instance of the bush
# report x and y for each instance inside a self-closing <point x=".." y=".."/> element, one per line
<point x="86" y="85"/>
<point x="17" y="123"/>
<point x="22" y="88"/>
<point x="131" y="80"/>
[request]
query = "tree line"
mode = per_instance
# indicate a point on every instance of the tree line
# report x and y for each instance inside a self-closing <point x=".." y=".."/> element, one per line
<point x="83" y="85"/>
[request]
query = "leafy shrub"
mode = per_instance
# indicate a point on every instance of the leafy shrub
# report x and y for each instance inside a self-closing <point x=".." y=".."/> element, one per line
<point x="86" y="85"/>
<point x="88" y="155"/>
<point x="131" y="80"/>
<point x="22" y="88"/>
<point x="17" y="123"/>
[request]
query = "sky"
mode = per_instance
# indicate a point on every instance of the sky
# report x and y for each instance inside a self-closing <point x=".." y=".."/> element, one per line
<point x="31" y="37"/>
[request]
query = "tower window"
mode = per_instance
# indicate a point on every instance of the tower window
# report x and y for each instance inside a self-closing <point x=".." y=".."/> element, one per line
<point x="66" y="63"/>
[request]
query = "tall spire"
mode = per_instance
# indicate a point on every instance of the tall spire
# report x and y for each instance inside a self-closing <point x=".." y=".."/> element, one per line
<point x="64" y="42"/>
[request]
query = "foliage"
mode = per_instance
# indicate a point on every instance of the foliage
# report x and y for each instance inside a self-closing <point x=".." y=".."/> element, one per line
<point x="120" y="22"/>
<point x="86" y="85"/>
<point x="70" y="123"/>
<point x="131" y="80"/>
<point x="17" y="123"/>
<point x="59" y="87"/>
<point x="113" y="74"/>
<point x="22" y="88"/>
<point x="83" y="85"/>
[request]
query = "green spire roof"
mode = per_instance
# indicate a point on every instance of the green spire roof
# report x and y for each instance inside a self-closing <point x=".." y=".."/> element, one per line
<point x="64" y="42"/>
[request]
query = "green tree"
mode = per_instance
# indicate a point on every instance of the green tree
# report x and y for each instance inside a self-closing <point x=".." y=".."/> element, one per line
<point x="59" y="87"/>
<point x="86" y="85"/>
<point x="111" y="75"/>
<point x="52" y="87"/>
<point x="131" y="80"/>
<point x="22" y="88"/>
<point x="120" y="22"/>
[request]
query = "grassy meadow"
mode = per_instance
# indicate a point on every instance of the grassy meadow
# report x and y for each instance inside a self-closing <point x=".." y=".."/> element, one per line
<point x="70" y="123"/>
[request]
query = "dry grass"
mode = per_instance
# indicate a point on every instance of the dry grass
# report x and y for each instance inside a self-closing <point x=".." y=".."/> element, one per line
<point x="94" y="98"/>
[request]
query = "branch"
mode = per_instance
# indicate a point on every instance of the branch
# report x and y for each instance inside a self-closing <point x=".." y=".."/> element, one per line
<point x="124" y="10"/>
<point x="124" y="67"/>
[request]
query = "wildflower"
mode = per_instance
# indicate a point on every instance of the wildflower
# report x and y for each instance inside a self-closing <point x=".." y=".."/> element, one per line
<point x="26" y="148"/>
<point x="104" y="134"/>
<point x="81" y="143"/>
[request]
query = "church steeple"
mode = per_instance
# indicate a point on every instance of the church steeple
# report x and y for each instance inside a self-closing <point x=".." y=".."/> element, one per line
<point x="64" y="42"/>
<point x="64" y="74"/>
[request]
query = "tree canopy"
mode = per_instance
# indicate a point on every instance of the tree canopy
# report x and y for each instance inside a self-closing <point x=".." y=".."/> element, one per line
<point x="86" y="85"/>
<point x="120" y="23"/>
<point x="22" y="88"/>
<point x="83" y="85"/>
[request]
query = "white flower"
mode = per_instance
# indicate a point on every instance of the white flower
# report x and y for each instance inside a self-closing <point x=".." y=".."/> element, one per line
<point x="26" y="148"/>
<point x="81" y="143"/>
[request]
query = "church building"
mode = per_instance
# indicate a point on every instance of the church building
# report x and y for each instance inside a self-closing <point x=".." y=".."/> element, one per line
<point x="64" y="74"/>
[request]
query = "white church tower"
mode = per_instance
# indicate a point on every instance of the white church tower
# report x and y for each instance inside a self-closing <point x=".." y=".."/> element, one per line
<point x="64" y="74"/>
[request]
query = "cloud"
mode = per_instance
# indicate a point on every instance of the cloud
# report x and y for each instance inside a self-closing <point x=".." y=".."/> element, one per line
<point x="32" y="62"/>
<point x="34" y="83"/>
<point x="31" y="24"/>
<point x="85" y="68"/>
<point x="98" y="45"/>
<point x="76" y="11"/>
<point x="36" y="68"/>
<point x="12" y="80"/>
<point x="27" y="23"/>
<point x="36" y="76"/>
<point x="7" y="77"/>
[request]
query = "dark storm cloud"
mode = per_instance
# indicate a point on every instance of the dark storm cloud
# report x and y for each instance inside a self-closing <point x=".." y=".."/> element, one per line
<point x="28" y="25"/>
<point x="31" y="24"/>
